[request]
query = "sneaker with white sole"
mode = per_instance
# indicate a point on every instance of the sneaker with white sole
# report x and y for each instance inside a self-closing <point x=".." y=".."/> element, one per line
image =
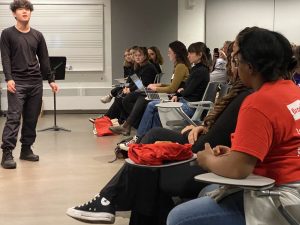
<point x="115" y="122"/>
<point x="125" y="146"/>
<point x="92" y="120"/>
<point x="98" y="210"/>
<point x="106" y="99"/>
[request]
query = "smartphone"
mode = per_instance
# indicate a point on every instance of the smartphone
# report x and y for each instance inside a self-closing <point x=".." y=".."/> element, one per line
<point x="216" y="52"/>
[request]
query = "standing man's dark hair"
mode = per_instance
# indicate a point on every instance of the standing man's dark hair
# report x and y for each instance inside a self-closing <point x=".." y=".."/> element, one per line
<point x="17" y="4"/>
<point x="25" y="62"/>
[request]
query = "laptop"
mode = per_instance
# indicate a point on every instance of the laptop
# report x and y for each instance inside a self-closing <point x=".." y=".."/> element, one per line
<point x="151" y="95"/>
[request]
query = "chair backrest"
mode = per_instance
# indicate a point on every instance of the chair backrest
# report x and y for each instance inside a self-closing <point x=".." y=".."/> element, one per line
<point x="158" y="78"/>
<point x="224" y="88"/>
<point x="208" y="96"/>
<point x="211" y="92"/>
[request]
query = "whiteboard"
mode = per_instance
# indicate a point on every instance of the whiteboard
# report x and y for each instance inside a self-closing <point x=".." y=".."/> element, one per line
<point x="71" y="30"/>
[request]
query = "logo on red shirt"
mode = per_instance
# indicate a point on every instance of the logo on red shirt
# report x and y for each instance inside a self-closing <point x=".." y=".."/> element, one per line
<point x="295" y="109"/>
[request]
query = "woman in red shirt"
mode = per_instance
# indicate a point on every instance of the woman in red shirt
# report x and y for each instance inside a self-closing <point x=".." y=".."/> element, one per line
<point x="267" y="137"/>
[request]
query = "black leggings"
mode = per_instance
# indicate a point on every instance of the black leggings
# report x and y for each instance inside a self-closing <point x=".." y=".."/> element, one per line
<point x="162" y="134"/>
<point x="147" y="192"/>
<point x="134" y="105"/>
<point x="116" y="110"/>
<point x="116" y="91"/>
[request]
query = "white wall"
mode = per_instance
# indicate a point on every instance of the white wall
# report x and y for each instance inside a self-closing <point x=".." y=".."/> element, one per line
<point x="211" y="21"/>
<point x="225" y="18"/>
<point x="80" y="90"/>
<point x="191" y="21"/>
<point x="143" y="23"/>
<point x="286" y="19"/>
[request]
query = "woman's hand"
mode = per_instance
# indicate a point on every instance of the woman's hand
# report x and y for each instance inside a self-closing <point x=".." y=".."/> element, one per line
<point x="194" y="133"/>
<point x="159" y="142"/>
<point x="174" y="98"/>
<point x="153" y="86"/>
<point x="221" y="150"/>
<point x="189" y="127"/>
<point x="222" y="55"/>
<point x="204" y="155"/>
<point x="126" y="90"/>
<point x="180" y="90"/>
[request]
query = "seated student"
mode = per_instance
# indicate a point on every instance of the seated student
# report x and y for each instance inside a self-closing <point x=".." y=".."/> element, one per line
<point x="145" y="71"/>
<point x="296" y="75"/>
<point x="266" y="140"/>
<point x="178" y="55"/>
<point x="128" y="67"/>
<point x="155" y="58"/>
<point x="136" y="188"/>
<point x="218" y="73"/>
<point x="194" y="88"/>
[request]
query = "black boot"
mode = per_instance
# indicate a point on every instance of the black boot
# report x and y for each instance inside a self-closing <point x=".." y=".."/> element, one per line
<point x="27" y="154"/>
<point x="8" y="160"/>
<point x="124" y="129"/>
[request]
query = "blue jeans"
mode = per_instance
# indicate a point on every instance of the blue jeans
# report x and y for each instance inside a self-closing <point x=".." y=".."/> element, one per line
<point x="189" y="111"/>
<point x="151" y="119"/>
<point x="205" y="211"/>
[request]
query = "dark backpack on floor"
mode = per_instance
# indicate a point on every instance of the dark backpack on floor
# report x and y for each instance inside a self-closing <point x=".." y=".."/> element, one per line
<point x="120" y="153"/>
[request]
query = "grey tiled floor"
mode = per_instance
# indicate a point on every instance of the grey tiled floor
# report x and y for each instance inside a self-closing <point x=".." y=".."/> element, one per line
<point x="72" y="169"/>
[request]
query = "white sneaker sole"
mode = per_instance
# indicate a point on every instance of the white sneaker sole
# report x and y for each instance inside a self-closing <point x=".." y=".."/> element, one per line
<point x="123" y="147"/>
<point x="91" y="217"/>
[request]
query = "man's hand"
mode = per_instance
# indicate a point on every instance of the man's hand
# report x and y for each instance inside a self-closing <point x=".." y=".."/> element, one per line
<point x="54" y="87"/>
<point x="11" y="86"/>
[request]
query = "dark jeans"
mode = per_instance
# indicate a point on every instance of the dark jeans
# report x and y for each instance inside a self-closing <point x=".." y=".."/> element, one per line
<point x="135" y="105"/>
<point x="26" y="102"/>
<point x="116" y="110"/>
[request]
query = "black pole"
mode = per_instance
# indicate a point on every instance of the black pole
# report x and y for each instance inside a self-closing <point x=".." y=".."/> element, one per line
<point x="61" y="76"/>
<point x="54" y="97"/>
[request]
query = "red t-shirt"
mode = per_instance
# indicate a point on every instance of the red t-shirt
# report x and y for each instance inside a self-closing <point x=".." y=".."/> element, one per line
<point x="268" y="128"/>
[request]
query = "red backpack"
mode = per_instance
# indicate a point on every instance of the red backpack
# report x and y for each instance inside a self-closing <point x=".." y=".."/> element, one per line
<point x="102" y="125"/>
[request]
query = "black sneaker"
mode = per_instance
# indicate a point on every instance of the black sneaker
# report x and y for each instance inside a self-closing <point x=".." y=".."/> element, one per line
<point x="8" y="160"/>
<point x="27" y="154"/>
<point x="98" y="210"/>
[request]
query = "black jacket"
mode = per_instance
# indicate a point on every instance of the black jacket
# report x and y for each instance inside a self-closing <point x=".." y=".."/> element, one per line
<point x="146" y="73"/>
<point x="196" y="83"/>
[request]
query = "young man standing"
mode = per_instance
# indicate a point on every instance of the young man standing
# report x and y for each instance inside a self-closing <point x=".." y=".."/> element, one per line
<point x="25" y="62"/>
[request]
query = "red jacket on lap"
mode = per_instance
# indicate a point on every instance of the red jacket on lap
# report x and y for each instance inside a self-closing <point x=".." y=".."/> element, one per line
<point x="157" y="154"/>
